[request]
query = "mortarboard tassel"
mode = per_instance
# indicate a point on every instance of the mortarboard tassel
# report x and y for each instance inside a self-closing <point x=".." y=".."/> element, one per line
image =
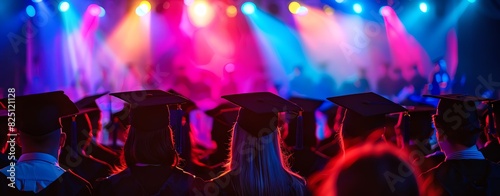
<point x="73" y="139"/>
<point x="406" y="129"/>
<point x="176" y="124"/>
<point x="491" y="124"/>
<point x="299" y="133"/>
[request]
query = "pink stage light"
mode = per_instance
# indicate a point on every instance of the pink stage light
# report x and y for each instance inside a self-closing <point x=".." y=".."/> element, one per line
<point x="94" y="10"/>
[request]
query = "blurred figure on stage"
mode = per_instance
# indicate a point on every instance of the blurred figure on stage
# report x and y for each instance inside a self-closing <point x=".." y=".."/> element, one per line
<point x="440" y="79"/>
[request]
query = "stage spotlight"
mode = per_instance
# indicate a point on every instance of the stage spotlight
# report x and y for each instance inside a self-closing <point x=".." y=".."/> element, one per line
<point x="357" y="8"/>
<point x="94" y="10"/>
<point x="385" y="10"/>
<point x="63" y="6"/>
<point x="472" y="1"/>
<point x="294" y="7"/>
<point x="36" y="1"/>
<point x="143" y="8"/>
<point x="200" y="13"/>
<point x="423" y="7"/>
<point x="248" y="8"/>
<point x="200" y="8"/>
<point x="103" y="12"/>
<point x="30" y="10"/>
<point x="339" y="1"/>
<point x="231" y="11"/>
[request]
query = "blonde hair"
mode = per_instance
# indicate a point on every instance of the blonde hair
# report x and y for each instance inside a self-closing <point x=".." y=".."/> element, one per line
<point x="257" y="166"/>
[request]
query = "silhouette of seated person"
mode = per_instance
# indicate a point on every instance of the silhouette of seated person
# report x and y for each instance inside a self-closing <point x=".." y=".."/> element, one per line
<point x="37" y="171"/>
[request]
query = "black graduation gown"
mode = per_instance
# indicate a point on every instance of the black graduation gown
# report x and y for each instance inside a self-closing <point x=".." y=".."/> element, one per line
<point x="148" y="180"/>
<point x="492" y="152"/>
<point x="88" y="168"/>
<point x="223" y="186"/>
<point x="4" y="160"/>
<point x="67" y="184"/>
<point x="466" y="177"/>
<point x="430" y="161"/>
<point x="103" y="153"/>
<point x="306" y="162"/>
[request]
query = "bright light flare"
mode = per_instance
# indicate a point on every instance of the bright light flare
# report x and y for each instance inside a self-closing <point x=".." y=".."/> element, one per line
<point x="294" y="7"/>
<point x="423" y="7"/>
<point x="357" y="8"/>
<point x="248" y="8"/>
<point x="385" y="11"/>
<point x="30" y="10"/>
<point x="231" y="11"/>
<point x="94" y="10"/>
<point x="201" y="13"/>
<point x="143" y="8"/>
<point x="63" y="6"/>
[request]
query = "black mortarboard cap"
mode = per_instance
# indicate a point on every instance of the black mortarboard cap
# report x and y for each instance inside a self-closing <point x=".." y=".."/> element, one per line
<point x="149" y="108"/>
<point x="225" y="113"/>
<point x="365" y="112"/>
<point x="420" y="121"/>
<point x="308" y="138"/>
<point x="188" y="106"/>
<point x="89" y="101"/>
<point x="38" y="114"/>
<point x="258" y="114"/>
<point x="308" y="105"/>
<point x="458" y="112"/>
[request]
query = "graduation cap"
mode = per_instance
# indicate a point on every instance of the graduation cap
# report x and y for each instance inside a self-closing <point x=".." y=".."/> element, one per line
<point x="149" y="108"/>
<point x="89" y="101"/>
<point x="38" y="114"/>
<point x="420" y="121"/>
<point x="365" y="112"/>
<point x="225" y="113"/>
<point x="258" y="114"/>
<point x="309" y="123"/>
<point x="188" y="106"/>
<point x="309" y="105"/>
<point x="457" y="112"/>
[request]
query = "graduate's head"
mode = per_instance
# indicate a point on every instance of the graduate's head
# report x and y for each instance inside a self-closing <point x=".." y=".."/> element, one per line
<point x="38" y="121"/>
<point x="94" y="113"/>
<point x="456" y="120"/>
<point x="255" y="155"/>
<point x="364" y="118"/>
<point x="150" y="139"/>
<point x="379" y="169"/>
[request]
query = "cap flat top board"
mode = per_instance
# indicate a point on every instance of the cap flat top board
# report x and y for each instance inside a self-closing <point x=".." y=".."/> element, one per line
<point x="309" y="105"/>
<point x="39" y="114"/>
<point x="89" y="101"/>
<point x="263" y="102"/>
<point x="149" y="98"/>
<point x="188" y="105"/>
<point x="458" y="97"/>
<point x="367" y="104"/>
<point x="148" y="108"/>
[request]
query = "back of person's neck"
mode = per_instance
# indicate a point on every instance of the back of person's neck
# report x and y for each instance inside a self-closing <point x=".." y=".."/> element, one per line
<point x="449" y="148"/>
<point x="55" y="155"/>
<point x="457" y="151"/>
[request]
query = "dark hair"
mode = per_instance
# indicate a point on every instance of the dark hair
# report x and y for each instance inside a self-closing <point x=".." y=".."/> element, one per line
<point x="150" y="147"/>
<point x="466" y="134"/>
<point x="370" y="169"/>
